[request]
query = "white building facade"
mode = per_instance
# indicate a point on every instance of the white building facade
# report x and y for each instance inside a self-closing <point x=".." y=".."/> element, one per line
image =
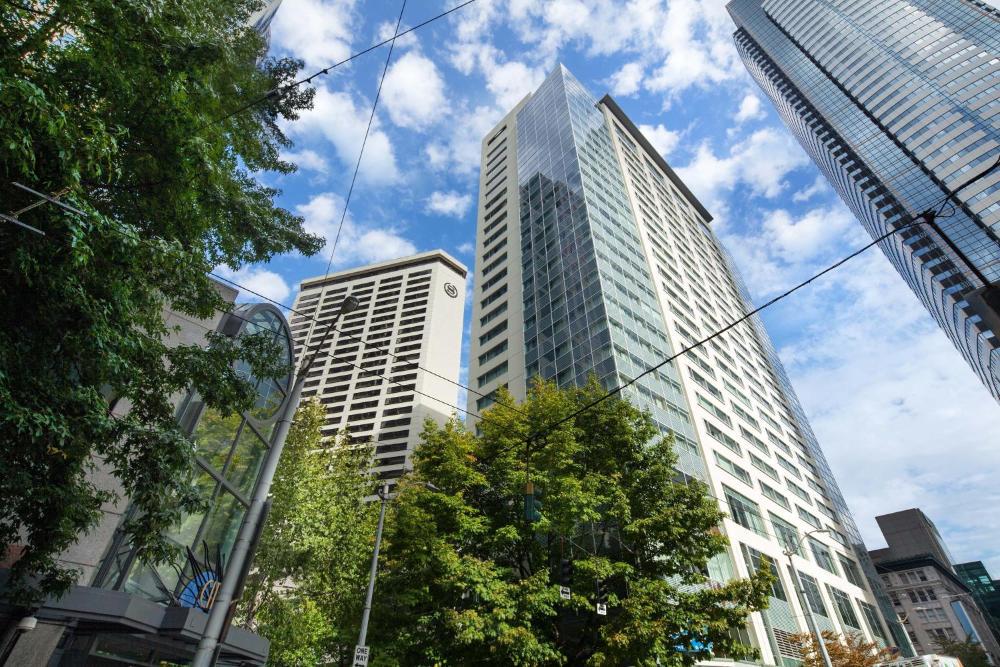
<point x="369" y="375"/>
<point x="592" y="257"/>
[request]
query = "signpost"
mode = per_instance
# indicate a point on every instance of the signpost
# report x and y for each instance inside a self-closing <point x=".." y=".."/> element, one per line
<point x="360" y="656"/>
<point x="565" y="593"/>
<point x="602" y="609"/>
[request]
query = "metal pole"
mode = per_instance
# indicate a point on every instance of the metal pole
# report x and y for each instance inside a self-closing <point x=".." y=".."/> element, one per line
<point x="241" y="547"/>
<point x="810" y="620"/>
<point x="366" y="613"/>
<point x="205" y="653"/>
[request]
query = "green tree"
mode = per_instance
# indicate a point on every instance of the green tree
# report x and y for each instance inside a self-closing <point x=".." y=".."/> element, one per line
<point x="115" y="106"/>
<point x="468" y="580"/>
<point x="971" y="653"/>
<point x="307" y="587"/>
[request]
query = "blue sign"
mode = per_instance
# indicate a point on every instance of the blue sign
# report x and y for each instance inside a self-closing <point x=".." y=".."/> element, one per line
<point x="200" y="592"/>
<point x="687" y="645"/>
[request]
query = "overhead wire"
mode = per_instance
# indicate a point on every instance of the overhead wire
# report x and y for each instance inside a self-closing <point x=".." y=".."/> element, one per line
<point x="928" y="215"/>
<point x="278" y="92"/>
<point x="341" y="331"/>
<point x="61" y="204"/>
<point x="367" y="372"/>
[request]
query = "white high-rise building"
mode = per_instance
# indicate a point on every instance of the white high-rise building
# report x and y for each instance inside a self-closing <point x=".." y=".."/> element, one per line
<point x="367" y="378"/>
<point x="593" y="257"/>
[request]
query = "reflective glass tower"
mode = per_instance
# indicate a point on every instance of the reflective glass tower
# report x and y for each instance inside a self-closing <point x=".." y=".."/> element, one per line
<point x="593" y="257"/>
<point x="898" y="103"/>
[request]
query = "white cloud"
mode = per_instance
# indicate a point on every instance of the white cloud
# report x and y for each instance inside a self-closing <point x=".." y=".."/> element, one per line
<point x="697" y="48"/>
<point x="459" y="150"/>
<point x="336" y="118"/>
<point x="308" y="159"/>
<point x="466" y="248"/>
<point x="663" y="140"/>
<point x="784" y="249"/>
<point x="358" y="244"/>
<point x="317" y="31"/>
<point x="437" y="155"/>
<point x="884" y="390"/>
<point x="413" y="92"/>
<point x="387" y="29"/>
<point x="454" y="204"/>
<point x="509" y="80"/>
<point x="257" y="279"/>
<point x="750" y="109"/>
<point x="761" y="162"/>
<point x="897" y="410"/>
<point x="626" y="81"/>
<point x="818" y="186"/>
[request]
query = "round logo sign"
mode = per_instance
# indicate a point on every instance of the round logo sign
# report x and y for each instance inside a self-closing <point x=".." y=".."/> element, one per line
<point x="450" y="290"/>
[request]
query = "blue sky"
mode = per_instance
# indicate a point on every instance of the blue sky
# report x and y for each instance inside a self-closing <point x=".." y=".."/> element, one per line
<point x="903" y="421"/>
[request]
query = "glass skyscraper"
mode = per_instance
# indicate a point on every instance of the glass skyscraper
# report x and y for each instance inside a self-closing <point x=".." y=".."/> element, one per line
<point x="593" y="257"/>
<point x="898" y="103"/>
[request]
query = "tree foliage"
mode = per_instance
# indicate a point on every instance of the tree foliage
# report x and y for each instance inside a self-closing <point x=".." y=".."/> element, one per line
<point x="112" y="105"/>
<point x="468" y="580"/>
<point x="307" y="586"/>
<point x="971" y="653"/>
<point x="850" y="650"/>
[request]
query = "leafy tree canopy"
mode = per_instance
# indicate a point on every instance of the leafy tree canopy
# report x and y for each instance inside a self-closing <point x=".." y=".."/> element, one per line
<point x="850" y="650"/>
<point x="111" y="104"/>
<point x="307" y="586"/>
<point x="468" y="580"/>
<point x="971" y="653"/>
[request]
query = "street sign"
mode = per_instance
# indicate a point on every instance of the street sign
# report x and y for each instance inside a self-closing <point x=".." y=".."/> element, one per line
<point x="360" y="656"/>
<point x="602" y="609"/>
<point x="564" y="592"/>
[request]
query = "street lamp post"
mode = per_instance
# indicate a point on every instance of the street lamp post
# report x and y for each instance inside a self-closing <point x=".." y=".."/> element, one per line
<point x="205" y="653"/>
<point x="383" y="494"/>
<point x="810" y="619"/>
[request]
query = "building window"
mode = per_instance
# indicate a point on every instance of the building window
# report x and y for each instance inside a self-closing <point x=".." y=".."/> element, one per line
<point x="787" y="536"/>
<point x="812" y="594"/>
<point x="823" y="556"/>
<point x="733" y="469"/>
<point x="851" y="572"/>
<point x="872" y="618"/>
<point x="845" y="610"/>
<point x="745" y="512"/>
<point x="755" y="560"/>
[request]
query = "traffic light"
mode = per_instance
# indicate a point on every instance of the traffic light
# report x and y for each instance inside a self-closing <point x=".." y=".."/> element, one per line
<point x="565" y="572"/>
<point x="601" y="591"/>
<point x="532" y="503"/>
<point x="601" y="597"/>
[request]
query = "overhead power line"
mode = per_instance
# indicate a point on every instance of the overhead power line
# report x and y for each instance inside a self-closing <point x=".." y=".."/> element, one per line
<point x="365" y="371"/>
<point x="349" y="336"/>
<point x="279" y="92"/>
<point x="927" y="217"/>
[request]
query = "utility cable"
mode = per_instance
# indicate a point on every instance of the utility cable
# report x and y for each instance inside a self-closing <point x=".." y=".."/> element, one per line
<point x="929" y="215"/>
<point x="354" y="176"/>
<point x="366" y="371"/>
<point x="280" y="91"/>
<point x="50" y="199"/>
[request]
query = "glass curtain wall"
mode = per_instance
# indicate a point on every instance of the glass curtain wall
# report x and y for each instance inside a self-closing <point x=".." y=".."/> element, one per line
<point x="230" y="449"/>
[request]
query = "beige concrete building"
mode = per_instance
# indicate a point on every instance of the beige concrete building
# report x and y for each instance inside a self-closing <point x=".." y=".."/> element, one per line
<point x="932" y="601"/>
<point x="593" y="257"/>
<point x="369" y="376"/>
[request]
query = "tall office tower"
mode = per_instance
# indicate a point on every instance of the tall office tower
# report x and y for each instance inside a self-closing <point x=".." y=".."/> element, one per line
<point x="261" y="19"/>
<point x="593" y="257"/>
<point x="367" y="376"/>
<point x="898" y="103"/>
<point x="934" y="600"/>
<point x="985" y="589"/>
